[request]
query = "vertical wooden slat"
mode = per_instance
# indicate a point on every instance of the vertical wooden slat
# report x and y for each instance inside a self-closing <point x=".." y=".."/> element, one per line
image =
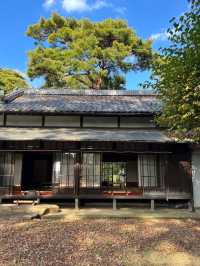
<point x="7" y="167"/>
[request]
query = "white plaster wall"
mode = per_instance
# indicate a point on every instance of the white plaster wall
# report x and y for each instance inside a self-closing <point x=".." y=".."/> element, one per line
<point x="196" y="178"/>
<point x="95" y="121"/>
<point x="24" y="120"/>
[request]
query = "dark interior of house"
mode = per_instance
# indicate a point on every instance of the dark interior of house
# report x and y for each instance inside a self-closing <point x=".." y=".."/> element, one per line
<point x="37" y="171"/>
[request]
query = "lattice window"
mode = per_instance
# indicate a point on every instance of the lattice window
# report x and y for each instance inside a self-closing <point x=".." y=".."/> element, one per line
<point x="151" y="170"/>
<point x="147" y="170"/>
<point x="91" y="170"/>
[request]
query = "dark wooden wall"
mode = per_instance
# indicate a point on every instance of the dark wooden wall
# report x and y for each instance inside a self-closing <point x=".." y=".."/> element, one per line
<point x="178" y="175"/>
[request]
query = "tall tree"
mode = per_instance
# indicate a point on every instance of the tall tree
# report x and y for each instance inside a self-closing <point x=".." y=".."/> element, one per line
<point x="11" y="79"/>
<point x="176" y="76"/>
<point x="85" y="54"/>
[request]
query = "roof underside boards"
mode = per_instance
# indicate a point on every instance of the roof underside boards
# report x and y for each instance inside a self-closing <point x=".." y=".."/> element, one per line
<point x="89" y="101"/>
<point x="74" y="134"/>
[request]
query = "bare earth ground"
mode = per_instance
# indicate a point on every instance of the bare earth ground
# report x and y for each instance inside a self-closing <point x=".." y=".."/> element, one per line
<point x="84" y="241"/>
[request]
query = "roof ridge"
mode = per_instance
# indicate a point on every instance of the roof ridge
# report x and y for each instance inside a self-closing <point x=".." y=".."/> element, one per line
<point x="70" y="101"/>
<point x="13" y="95"/>
<point x="89" y="92"/>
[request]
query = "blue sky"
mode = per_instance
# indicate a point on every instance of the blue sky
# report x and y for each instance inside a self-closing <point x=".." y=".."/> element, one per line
<point x="150" y="18"/>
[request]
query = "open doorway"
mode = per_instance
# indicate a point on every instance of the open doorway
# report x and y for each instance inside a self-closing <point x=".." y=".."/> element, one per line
<point x="109" y="170"/>
<point x="37" y="171"/>
<point x="120" y="170"/>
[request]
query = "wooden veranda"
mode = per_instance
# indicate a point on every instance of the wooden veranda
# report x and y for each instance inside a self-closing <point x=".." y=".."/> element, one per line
<point x="95" y="170"/>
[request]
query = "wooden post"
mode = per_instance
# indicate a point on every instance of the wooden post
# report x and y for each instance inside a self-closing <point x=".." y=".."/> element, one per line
<point x="191" y="205"/>
<point x="77" y="174"/>
<point x="36" y="202"/>
<point x="152" y="205"/>
<point x="114" y="204"/>
<point x="77" y="203"/>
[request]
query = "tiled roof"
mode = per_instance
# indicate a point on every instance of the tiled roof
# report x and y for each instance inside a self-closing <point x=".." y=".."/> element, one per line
<point x="67" y="134"/>
<point x="81" y="101"/>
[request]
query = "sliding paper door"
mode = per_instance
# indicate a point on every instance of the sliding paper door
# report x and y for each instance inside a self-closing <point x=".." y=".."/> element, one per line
<point x="7" y="166"/>
<point x="147" y="170"/>
<point x="91" y="170"/>
<point x="151" y="170"/>
<point x="63" y="170"/>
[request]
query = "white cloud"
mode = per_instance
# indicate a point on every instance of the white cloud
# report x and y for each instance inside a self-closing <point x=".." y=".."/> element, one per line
<point x="121" y="10"/>
<point x="82" y="5"/>
<point x="71" y="6"/>
<point x="160" y="36"/>
<point x="49" y="3"/>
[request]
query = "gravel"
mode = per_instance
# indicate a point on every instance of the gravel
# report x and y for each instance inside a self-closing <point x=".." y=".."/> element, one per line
<point x="99" y="242"/>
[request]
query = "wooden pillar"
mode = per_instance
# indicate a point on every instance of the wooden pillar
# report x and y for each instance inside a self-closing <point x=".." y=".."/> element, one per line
<point x="77" y="203"/>
<point x="77" y="174"/>
<point x="38" y="201"/>
<point x="195" y="184"/>
<point x="152" y="205"/>
<point x="191" y="205"/>
<point x="158" y="170"/>
<point x="114" y="204"/>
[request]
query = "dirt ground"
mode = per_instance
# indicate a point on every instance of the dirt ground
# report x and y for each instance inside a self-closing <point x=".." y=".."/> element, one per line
<point x="110" y="241"/>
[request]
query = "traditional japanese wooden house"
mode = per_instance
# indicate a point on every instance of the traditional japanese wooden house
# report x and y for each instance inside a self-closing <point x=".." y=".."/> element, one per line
<point x="88" y="144"/>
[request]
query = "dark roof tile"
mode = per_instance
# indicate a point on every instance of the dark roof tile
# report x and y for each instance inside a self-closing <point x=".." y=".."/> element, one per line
<point x="89" y="101"/>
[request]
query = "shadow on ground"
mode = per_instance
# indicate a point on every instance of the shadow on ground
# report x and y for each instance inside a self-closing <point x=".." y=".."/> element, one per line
<point x="71" y="238"/>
